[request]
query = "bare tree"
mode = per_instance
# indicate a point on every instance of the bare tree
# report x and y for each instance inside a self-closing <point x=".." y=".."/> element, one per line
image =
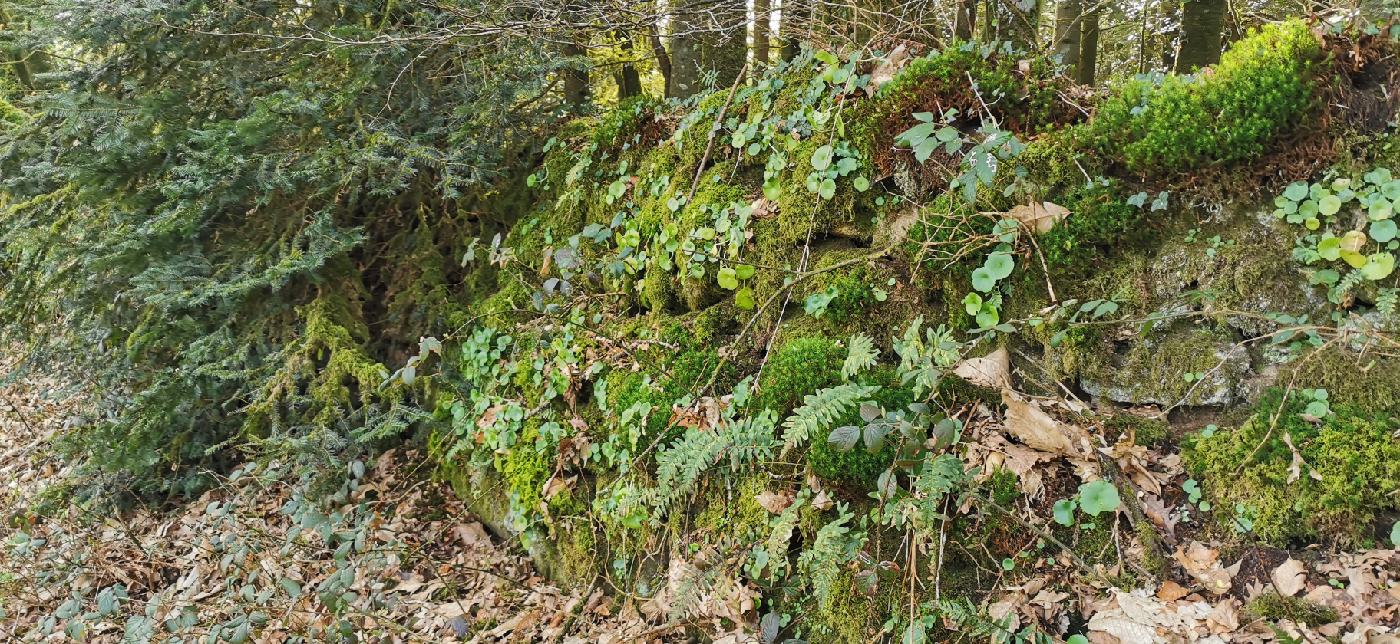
<point x="1202" y="24"/>
<point x="1069" y="16"/>
<point x="1089" y="45"/>
<point x="762" y="16"/>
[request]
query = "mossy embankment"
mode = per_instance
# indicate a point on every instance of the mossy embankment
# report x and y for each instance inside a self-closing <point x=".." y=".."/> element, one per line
<point x="690" y="277"/>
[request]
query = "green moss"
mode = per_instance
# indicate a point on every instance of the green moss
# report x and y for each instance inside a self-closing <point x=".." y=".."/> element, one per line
<point x="851" y="616"/>
<point x="1275" y="607"/>
<point x="853" y="287"/>
<point x="802" y="212"/>
<point x="1100" y="222"/>
<point x="945" y="80"/>
<point x="621" y="126"/>
<point x="735" y="514"/>
<point x="797" y="368"/>
<point x="1145" y="431"/>
<point x="526" y="468"/>
<point x="859" y="466"/>
<point x="1368" y="383"/>
<point x="1262" y="88"/>
<point x="11" y="116"/>
<point x="1355" y="456"/>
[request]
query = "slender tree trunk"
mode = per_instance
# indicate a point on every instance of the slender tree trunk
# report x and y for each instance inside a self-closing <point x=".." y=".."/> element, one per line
<point x="762" y="17"/>
<point x="1069" y="18"/>
<point x="1014" y="21"/>
<point x="965" y="20"/>
<point x="1202" y="23"/>
<point x="1089" y="46"/>
<point x="663" y="60"/>
<point x="629" y="82"/>
<point x="575" y="77"/>
<point x="796" y="18"/>
<point x="724" y="48"/>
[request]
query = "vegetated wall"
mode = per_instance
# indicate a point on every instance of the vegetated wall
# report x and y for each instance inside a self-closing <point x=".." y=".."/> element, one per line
<point x="672" y="354"/>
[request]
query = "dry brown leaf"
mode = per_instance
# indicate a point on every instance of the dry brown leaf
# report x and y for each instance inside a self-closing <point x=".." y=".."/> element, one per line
<point x="992" y="370"/>
<point x="1039" y="217"/>
<point x="774" y="502"/>
<point x="885" y="71"/>
<point x="1203" y="564"/>
<point x="1037" y="429"/>
<point x="1157" y="511"/>
<point x="1171" y="591"/>
<point x="1290" y="578"/>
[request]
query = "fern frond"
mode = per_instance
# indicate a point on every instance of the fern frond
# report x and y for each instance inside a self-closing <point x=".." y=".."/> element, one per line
<point x="821" y="409"/>
<point x="860" y="355"/>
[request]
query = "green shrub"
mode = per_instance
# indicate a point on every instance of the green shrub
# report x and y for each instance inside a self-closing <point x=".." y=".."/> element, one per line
<point x="1355" y="456"/>
<point x="1262" y="88"/>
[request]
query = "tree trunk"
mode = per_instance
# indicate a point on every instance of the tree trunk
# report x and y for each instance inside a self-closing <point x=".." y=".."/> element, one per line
<point x="1202" y="22"/>
<point x="796" y="17"/>
<point x="965" y="20"/>
<point x="1014" y="21"/>
<point x="1089" y="46"/>
<point x="663" y="60"/>
<point x="1069" y="18"/>
<point x="575" y="77"/>
<point x="629" y="82"/>
<point x="762" y="17"/>
<point x="708" y="37"/>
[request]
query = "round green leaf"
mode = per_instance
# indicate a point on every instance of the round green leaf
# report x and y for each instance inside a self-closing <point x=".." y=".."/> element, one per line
<point x="1064" y="511"/>
<point x="1098" y="496"/>
<point x="1297" y="191"/>
<point x="1384" y="230"/>
<point x="861" y="184"/>
<point x="744" y="271"/>
<point x="1378" y="266"/>
<point x="827" y="189"/>
<point x="821" y="159"/>
<point x="1329" y="205"/>
<point x="988" y="317"/>
<point x="1000" y="265"/>
<point x="1330" y="248"/>
<point x="744" y="298"/>
<point x="983" y="280"/>
<point x="972" y="303"/>
<point x="727" y="279"/>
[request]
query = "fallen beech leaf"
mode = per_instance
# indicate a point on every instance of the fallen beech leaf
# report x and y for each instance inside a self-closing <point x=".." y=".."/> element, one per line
<point x="992" y="370"/>
<point x="1290" y="577"/>
<point x="1171" y="591"/>
<point x="774" y="502"/>
<point x="1037" y="429"/>
<point x="1039" y="217"/>
<point x="885" y="71"/>
<point x="1203" y="564"/>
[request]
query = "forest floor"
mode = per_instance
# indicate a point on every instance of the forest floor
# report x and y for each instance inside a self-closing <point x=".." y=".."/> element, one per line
<point x="427" y="572"/>
<point x="251" y="560"/>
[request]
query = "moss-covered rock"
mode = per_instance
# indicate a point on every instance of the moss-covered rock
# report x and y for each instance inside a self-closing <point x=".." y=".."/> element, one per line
<point x="1354" y="456"/>
<point x="1262" y="88"/>
<point x="1185" y="364"/>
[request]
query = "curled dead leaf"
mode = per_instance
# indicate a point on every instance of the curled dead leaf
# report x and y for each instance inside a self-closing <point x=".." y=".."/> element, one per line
<point x="1028" y="422"/>
<point x="992" y="370"/>
<point x="1038" y="217"/>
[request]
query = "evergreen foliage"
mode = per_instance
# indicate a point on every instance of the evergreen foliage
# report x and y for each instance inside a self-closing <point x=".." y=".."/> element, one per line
<point x="257" y="218"/>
